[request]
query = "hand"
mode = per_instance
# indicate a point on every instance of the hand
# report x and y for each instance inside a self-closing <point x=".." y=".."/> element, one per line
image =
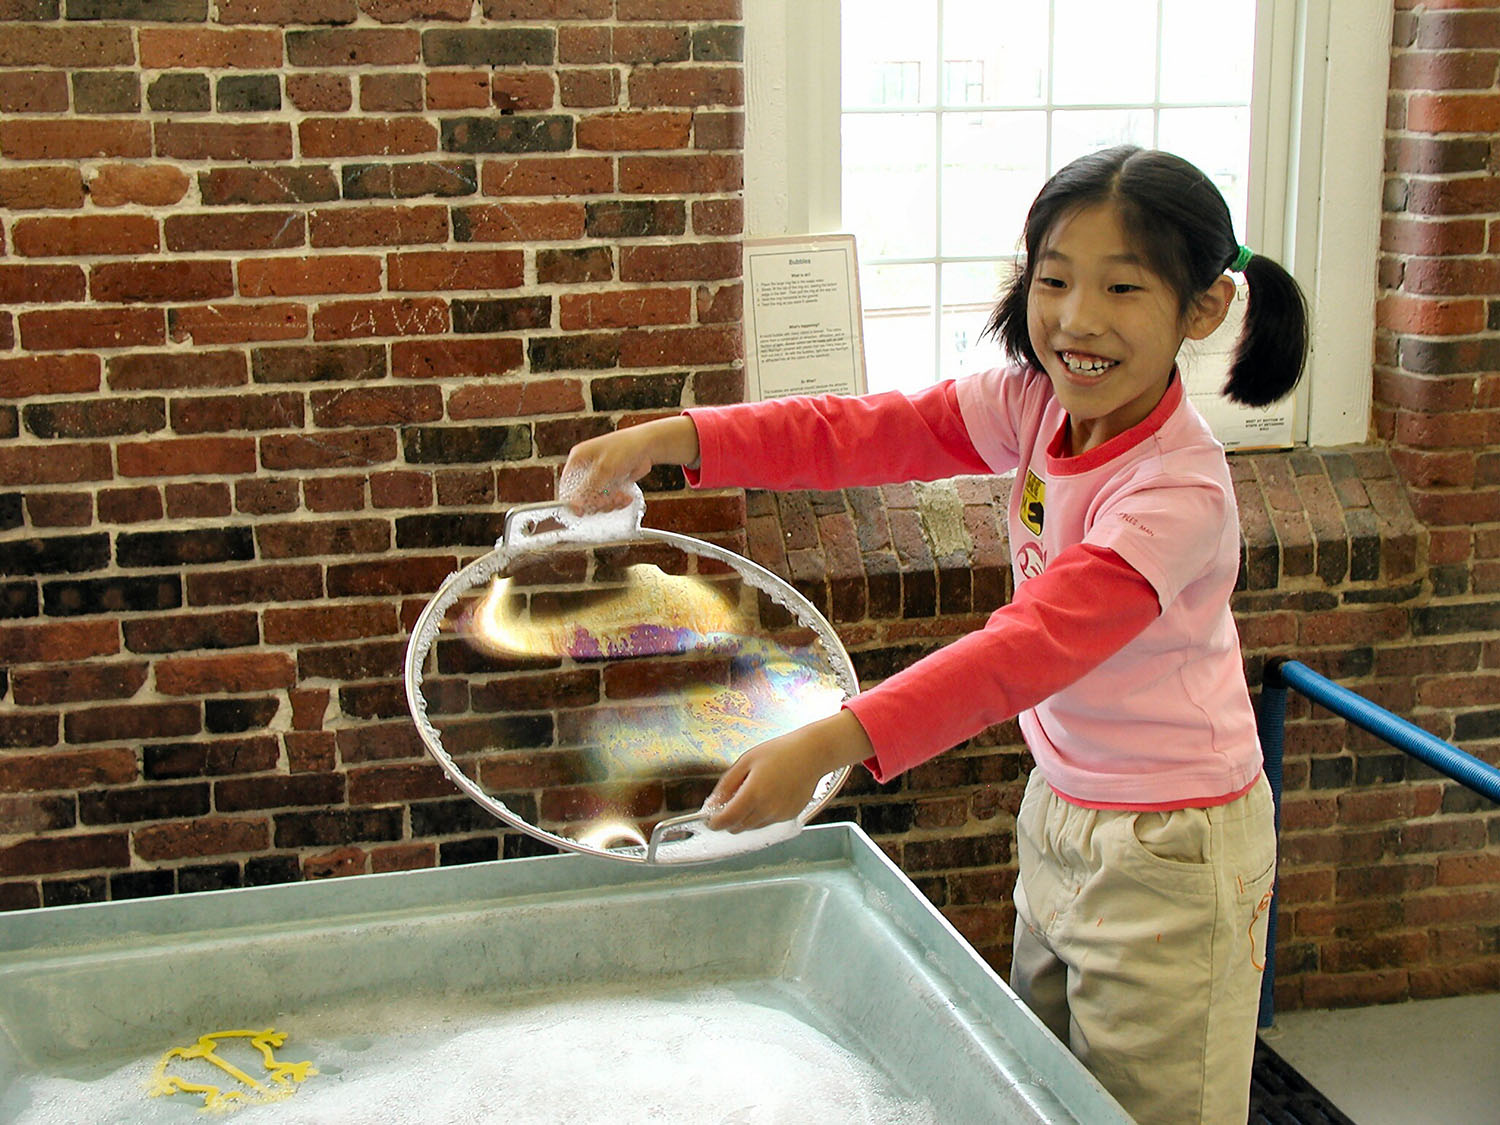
<point x="598" y="471"/>
<point x="775" y="780"/>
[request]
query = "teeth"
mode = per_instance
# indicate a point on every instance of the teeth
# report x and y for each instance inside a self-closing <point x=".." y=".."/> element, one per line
<point x="1087" y="364"/>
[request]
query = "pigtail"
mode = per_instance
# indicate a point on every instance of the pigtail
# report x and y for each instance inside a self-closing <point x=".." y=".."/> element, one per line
<point x="1273" y="343"/>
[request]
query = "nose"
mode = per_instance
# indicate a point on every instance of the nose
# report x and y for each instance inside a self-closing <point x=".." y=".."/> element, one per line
<point x="1080" y="314"/>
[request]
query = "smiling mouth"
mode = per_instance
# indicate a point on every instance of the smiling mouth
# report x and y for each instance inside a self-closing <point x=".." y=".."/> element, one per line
<point x="1082" y="363"/>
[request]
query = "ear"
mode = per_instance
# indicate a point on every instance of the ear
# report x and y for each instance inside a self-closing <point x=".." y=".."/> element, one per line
<point x="1210" y="309"/>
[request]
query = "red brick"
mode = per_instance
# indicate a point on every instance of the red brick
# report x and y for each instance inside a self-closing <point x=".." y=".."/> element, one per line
<point x="378" y="226"/>
<point x="681" y="347"/>
<point x="327" y="494"/>
<point x="159" y="282"/>
<point x="33" y="92"/>
<point x="52" y="509"/>
<point x="126" y="721"/>
<point x="199" y="838"/>
<point x="400" y="490"/>
<point x="283" y="13"/>
<point x="1453" y="113"/>
<point x="391" y="93"/>
<point x="129" y="505"/>
<point x="722" y="305"/>
<point x="517" y="399"/>
<point x="222" y="413"/>
<point x="179" y="457"/>
<point x="236" y="324"/>
<point x="1431" y="237"/>
<point x="689" y="86"/>
<point x="117" y="185"/>
<point x="377" y="406"/>
<point x="242" y="585"/>
<point x="208" y="48"/>
<point x="44" y="139"/>
<point x="355" y="47"/>
<point x="24" y="376"/>
<point x="328" y="450"/>
<point x="85" y="236"/>
<point x="219" y="140"/>
<point x="454" y="358"/>
<point x="521" y="90"/>
<point x="322" y="624"/>
<point x="683" y="261"/>
<point x="546" y="9"/>
<point x="198" y="501"/>
<point x="403" y="857"/>
<point x="520" y="222"/>
<point x="348" y="320"/>
<point x="708" y="174"/>
<point x="377" y="785"/>
<point x="74" y="329"/>
<point x="1456" y="276"/>
<point x="46" y="187"/>
<point x="635" y="131"/>
<point x="227" y="674"/>
<point x="50" y="855"/>
<point x="78" y="683"/>
<point x="624" y="308"/>
<point x="341" y="136"/>
<point x="583" y="44"/>
<point x="548" y="175"/>
<point x="1458" y="317"/>
<point x="589" y="89"/>
<point x="437" y="270"/>
<point x="327" y="273"/>
<point x="457" y="90"/>
<point x="143" y="371"/>
<point x="718" y="217"/>
<point x="235" y="230"/>
<point x="319" y="93"/>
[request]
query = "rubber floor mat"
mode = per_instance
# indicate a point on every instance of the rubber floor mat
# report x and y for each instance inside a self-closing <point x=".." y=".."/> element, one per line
<point x="1281" y="1096"/>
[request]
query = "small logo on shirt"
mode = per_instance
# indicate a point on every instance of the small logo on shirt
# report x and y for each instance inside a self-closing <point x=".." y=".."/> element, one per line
<point x="1030" y="561"/>
<point x="1033" y="500"/>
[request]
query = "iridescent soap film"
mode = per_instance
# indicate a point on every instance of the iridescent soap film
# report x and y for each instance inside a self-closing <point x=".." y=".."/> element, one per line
<point x="595" y="697"/>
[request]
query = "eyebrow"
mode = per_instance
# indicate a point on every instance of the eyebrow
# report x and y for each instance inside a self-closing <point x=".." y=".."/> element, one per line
<point x="1128" y="258"/>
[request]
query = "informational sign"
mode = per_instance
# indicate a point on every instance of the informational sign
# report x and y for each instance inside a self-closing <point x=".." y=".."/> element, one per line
<point x="802" y="317"/>
<point x="1205" y="366"/>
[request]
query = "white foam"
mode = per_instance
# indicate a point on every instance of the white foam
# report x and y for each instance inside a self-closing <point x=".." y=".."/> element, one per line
<point x="706" y="1058"/>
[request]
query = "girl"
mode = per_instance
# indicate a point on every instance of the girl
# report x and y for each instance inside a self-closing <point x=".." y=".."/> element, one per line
<point x="1145" y="839"/>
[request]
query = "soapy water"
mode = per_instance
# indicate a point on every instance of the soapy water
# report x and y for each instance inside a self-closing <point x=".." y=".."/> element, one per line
<point x="708" y="1057"/>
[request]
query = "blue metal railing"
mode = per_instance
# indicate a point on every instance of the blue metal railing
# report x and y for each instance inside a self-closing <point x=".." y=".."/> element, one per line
<point x="1444" y="757"/>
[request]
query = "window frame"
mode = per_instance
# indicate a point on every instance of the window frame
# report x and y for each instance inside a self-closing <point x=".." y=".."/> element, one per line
<point x="1314" y="190"/>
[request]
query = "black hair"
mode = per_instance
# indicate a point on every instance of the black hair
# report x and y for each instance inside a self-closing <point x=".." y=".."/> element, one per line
<point x="1178" y="221"/>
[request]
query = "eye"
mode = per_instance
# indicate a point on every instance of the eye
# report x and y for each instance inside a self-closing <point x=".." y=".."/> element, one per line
<point x="1051" y="282"/>
<point x="1124" y="287"/>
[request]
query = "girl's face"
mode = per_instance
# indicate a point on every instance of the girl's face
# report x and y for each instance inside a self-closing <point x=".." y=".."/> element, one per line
<point x="1106" y="328"/>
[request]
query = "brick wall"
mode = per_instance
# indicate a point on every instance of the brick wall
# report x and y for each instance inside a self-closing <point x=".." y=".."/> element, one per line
<point x="295" y="299"/>
<point x="300" y="297"/>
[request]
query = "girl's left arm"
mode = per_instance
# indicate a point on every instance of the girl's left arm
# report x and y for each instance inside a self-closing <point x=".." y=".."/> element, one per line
<point x="1086" y="606"/>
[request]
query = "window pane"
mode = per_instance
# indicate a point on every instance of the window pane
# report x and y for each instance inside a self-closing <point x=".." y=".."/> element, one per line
<point x="970" y="291"/>
<point x="1207" y="50"/>
<point x="890" y="53"/>
<point x="992" y="168"/>
<point x="1004" y="48"/>
<point x="1218" y="141"/>
<point x="1076" y="132"/>
<point x="899" y="326"/>
<point x="890" y="190"/>
<point x="1104" y="52"/>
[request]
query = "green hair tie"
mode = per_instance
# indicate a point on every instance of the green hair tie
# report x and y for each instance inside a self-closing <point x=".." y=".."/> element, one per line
<point x="1242" y="259"/>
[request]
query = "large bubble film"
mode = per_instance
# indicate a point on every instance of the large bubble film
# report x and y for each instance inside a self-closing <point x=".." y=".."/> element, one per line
<point x="598" y="691"/>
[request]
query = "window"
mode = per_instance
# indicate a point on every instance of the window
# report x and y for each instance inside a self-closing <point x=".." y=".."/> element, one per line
<point x="936" y="182"/>
<point x="933" y="170"/>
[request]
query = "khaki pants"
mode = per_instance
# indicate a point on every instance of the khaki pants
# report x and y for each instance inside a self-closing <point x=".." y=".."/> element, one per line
<point x="1140" y="940"/>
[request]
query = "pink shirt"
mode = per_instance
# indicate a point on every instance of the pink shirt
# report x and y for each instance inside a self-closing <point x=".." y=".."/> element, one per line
<point x="1125" y="698"/>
